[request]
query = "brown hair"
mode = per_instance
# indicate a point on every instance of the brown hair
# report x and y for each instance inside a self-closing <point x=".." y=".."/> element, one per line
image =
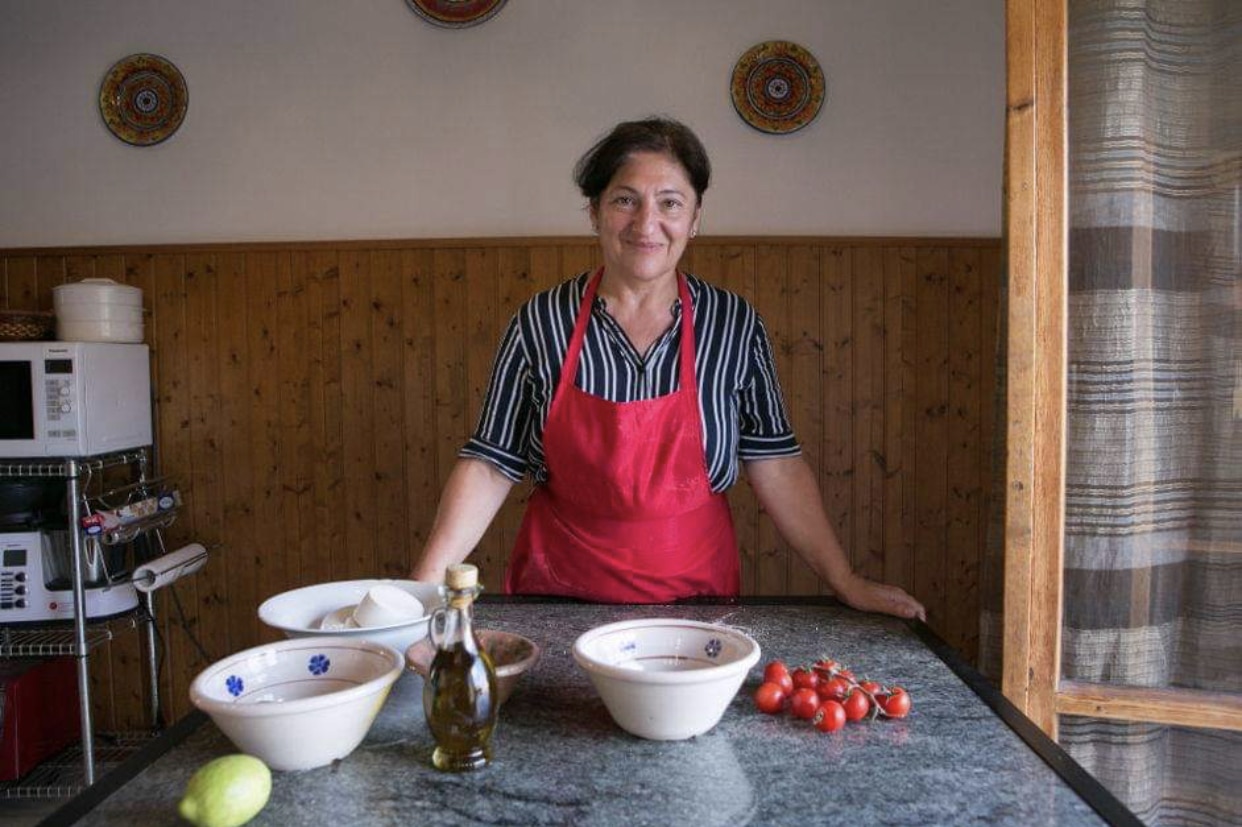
<point x="598" y="166"/>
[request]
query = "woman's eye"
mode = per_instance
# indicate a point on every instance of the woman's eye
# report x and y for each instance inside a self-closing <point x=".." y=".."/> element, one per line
<point x="671" y="204"/>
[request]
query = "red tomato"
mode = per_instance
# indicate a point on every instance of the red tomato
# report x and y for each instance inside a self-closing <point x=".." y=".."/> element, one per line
<point x="778" y="673"/>
<point x="826" y="666"/>
<point x="769" y="698"/>
<point x="896" y="704"/>
<point x="847" y="674"/>
<point x="804" y="678"/>
<point x="872" y="687"/>
<point x="834" y="688"/>
<point x="857" y="705"/>
<point x="804" y="703"/>
<point x="830" y="717"/>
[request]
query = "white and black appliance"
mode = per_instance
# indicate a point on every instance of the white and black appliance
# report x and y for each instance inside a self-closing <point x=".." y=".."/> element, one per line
<point x="73" y="399"/>
<point x="36" y="577"/>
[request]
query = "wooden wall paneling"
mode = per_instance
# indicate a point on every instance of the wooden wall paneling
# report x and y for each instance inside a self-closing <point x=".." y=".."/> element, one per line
<point x="358" y="416"/>
<point x="79" y="266"/>
<point x="802" y="380"/>
<point x="21" y="284"/>
<point x="771" y="299"/>
<point x="990" y="451"/>
<point x="837" y="469"/>
<point x="323" y="319"/>
<point x="207" y="476"/>
<point x="481" y="332"/>
<point x="868" y="411"/>
<point x="514" y="284"/>
<point x="422" y="482"/>
<point x="50" y="270"/>
<point x="900" y="447"/>
<point x="964" y="488"/>
<point x="258" y="544"/>
<point x="736" y="272"/>
<point x="931" y="396"/>
<point x="392" y="558"/>
<point x="298" y="351"/>
<point x="452" y="397"/>
<point x="575" y="258"/>
<point x="177" y="602"/>
<point x="236" y="486"/>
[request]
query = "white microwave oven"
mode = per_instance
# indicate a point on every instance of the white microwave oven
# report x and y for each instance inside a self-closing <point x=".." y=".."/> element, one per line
<point x="73" y="399"/>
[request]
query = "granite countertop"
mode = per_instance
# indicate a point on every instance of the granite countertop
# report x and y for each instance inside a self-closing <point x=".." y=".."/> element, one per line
<point x="560" y="759"/>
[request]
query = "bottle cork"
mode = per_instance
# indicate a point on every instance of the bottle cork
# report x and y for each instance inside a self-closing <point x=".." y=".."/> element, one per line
<point x="461" y="576"/>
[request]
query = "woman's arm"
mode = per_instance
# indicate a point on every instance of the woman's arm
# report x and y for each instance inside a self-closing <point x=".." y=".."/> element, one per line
<point x="788" y="492"/>
<point x="475" y="491"/>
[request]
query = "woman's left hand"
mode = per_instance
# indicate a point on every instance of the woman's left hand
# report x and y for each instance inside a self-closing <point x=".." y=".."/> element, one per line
<point x="870" y="596"/>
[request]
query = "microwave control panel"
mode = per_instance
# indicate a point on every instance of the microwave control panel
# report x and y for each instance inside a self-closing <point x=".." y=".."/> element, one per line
<point x="59" y="402"/>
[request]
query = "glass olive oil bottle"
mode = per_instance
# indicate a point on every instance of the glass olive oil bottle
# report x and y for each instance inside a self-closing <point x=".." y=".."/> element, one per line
<point x="459" y="696"/>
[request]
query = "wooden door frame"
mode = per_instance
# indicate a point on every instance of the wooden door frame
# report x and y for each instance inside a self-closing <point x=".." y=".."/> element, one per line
<point x="1036" y="229"/>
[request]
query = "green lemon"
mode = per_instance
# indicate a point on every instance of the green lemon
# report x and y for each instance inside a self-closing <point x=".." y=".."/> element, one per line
<point x="226" y="792"/>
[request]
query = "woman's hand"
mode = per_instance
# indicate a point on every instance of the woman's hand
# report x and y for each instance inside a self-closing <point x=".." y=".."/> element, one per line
<point x="869" y="596"/>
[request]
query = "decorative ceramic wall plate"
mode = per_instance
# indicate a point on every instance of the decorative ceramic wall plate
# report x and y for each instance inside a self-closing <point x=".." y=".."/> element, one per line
<point x="456" y="14"/>
<point x="777" y="86"/>
<point x="143" y="99"/>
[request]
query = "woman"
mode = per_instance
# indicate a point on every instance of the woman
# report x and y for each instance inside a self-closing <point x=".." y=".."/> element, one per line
<point x="630" y="394"/>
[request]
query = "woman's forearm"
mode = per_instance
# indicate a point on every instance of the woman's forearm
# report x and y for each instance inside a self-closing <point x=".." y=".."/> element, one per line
<point x="788" y="492"/>
<point x="473" y="494"/>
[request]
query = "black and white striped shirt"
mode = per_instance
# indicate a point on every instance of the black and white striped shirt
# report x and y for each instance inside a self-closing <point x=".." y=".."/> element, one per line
<point x="740" y="402"/>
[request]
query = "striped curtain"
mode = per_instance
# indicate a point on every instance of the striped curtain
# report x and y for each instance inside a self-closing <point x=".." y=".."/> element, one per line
<point x="1153" y="536"/>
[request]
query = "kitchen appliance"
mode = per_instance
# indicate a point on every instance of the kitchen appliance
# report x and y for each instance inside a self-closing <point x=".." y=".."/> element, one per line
<point x="34" y="694"/>
<point x="73" y="399"/>
<point x="36" y="577"/>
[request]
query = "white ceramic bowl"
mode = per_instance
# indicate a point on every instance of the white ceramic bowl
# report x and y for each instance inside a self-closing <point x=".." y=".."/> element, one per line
<point x="301" y="703"/>
<point x="299" y="613"/>
<point x="664" y="678"/>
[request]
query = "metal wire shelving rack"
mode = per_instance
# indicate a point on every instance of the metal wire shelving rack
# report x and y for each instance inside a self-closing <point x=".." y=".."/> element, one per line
<point x="76" y="768"/>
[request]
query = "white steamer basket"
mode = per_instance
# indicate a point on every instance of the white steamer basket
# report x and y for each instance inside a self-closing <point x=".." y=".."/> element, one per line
<point x="98" y="310"/>
<point x="96" y="291"/>
<point x="99" y="332"/>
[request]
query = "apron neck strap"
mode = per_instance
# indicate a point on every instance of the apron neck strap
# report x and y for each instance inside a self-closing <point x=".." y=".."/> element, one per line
<point x="569" y="367"/>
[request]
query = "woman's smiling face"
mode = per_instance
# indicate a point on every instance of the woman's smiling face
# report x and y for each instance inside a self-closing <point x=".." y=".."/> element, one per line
<point x="645" y="217"/>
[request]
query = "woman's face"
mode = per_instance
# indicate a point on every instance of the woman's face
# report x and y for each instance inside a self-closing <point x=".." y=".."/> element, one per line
<point x="645" y="216"/>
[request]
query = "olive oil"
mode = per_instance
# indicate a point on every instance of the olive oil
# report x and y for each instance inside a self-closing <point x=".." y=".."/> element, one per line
<point x="459" y="697"/>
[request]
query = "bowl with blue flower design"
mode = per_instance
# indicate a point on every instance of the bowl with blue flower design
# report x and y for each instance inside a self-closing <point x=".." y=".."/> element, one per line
<point x="666" y="679"/>
<point x="299" y="703"/>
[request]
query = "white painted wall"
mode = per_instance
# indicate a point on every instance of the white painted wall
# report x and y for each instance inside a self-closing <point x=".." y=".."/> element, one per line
<point x="338" y="119"/>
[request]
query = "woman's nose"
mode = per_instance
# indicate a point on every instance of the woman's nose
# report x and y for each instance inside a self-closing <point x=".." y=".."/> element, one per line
<point x="645" y="216"/>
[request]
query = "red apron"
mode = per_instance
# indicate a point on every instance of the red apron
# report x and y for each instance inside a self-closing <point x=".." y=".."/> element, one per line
<point x="627" y="514"/>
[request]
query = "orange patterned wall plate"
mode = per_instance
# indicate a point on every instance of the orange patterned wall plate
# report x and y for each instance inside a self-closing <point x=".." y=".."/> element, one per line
<point x="143" y="99"/>
<point x="777" y="86"/>
<point x="456" y="14"/>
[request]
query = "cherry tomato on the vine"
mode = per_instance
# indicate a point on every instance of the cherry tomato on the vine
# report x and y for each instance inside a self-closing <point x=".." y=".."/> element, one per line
<point x="769" y="698"/>
<point x="897" y="703"/>
<point x="857" y="705"/>
<point x="834" y="688"/>
<point x="871" y="687"/>
<point x="804" y="703"/>
<point x="778" y="673"/>
<point x="830" y="717"/>
<point x="804" y="678"/>
<point x="827" y="665"/>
